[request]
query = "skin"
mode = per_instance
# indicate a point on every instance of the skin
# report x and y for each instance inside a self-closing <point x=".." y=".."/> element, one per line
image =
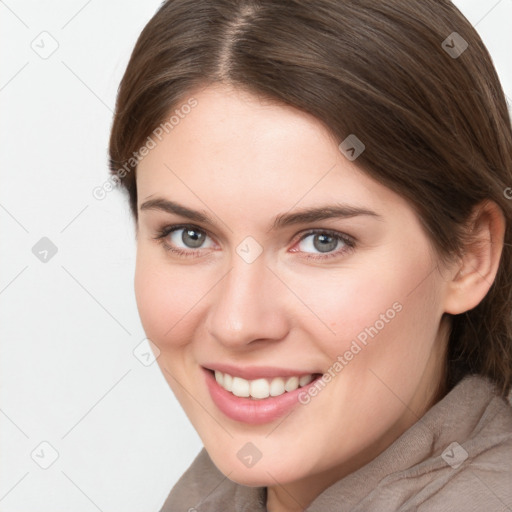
<point x="244" y="161"/>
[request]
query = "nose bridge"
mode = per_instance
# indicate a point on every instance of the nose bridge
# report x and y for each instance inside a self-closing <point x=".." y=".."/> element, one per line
<point x="246" y="305"/>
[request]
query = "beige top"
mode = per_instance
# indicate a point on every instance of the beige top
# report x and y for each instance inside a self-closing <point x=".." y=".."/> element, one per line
<point x="457" y="457"/>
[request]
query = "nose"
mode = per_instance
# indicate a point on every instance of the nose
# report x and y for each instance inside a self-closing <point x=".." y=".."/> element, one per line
<point x="249" y="304"/>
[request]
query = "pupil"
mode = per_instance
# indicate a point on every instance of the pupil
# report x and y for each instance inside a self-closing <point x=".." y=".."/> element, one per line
<point x="325" y="247"/>
<point x="195" y="238"/>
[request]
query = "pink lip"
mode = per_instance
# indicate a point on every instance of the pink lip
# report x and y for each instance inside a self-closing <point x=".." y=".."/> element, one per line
<point x="248" y="410"/>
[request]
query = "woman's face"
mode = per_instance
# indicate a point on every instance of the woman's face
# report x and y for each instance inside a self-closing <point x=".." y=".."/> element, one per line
<point x="267" y="293"/>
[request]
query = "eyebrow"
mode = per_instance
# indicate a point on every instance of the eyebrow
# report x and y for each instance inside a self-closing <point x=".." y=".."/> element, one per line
<point x="304" y="215"/>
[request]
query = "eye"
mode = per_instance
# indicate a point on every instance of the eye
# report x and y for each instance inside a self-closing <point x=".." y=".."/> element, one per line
<point x="321" y="244"/>
<point x="184" y="239"/>
<point x="189" y="240"/>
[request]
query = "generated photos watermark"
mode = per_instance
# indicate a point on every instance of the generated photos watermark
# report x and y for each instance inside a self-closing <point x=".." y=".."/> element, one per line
<point x="343" y="360"/>
<point x="101" y="191"/>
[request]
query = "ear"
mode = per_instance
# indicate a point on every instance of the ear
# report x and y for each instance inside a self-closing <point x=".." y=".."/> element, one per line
<point x="473" y="275"/>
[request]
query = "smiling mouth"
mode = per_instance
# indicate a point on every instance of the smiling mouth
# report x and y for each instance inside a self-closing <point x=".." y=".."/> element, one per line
<point x="262" y="388"/>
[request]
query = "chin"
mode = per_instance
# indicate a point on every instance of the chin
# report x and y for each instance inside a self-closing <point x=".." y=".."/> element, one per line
<point x="262" y="474"/>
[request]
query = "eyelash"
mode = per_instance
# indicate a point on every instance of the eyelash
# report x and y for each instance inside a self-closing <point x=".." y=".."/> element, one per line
<point x="349" y="241"/>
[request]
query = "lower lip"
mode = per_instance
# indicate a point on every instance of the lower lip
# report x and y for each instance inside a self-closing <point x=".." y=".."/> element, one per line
<point x="248" y="410"/>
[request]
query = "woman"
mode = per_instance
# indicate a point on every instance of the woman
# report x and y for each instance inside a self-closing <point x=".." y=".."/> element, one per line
<point x="324" y="250"/>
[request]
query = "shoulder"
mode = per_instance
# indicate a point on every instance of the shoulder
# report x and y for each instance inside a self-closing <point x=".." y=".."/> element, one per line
<point x="204" y="488"/>
<point x="477" y="472"/>
<point x="470" y="464"/>
<point x="188" y="491"/>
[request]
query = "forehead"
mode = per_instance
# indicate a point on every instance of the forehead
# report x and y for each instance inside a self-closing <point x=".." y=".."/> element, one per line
<point x="235" y="149"/>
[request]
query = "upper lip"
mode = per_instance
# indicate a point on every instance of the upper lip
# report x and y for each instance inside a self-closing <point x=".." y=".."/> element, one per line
<point x="256" y="372"/>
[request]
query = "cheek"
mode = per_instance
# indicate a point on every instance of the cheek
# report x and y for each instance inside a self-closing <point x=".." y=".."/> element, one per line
<point x="386" y="328"/>
<point x="165" y="297"/>
<point x="347" y="303"/>
<point x="388" y="307"/>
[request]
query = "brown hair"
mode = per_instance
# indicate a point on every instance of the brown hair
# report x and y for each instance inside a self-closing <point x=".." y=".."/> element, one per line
<point x="435" y="123"/>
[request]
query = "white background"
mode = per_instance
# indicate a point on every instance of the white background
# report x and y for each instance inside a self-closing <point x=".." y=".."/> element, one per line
<point x="68" y="327"/>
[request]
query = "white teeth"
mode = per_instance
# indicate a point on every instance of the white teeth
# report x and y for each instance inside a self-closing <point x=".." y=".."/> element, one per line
<point x="240" y="387"/>
<point x="305" y="379"/>
<point x="292" y="384"/>
<point x="227" y="383"/>
<point x="277" y="387"/>
<point x="260" y="388"/>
